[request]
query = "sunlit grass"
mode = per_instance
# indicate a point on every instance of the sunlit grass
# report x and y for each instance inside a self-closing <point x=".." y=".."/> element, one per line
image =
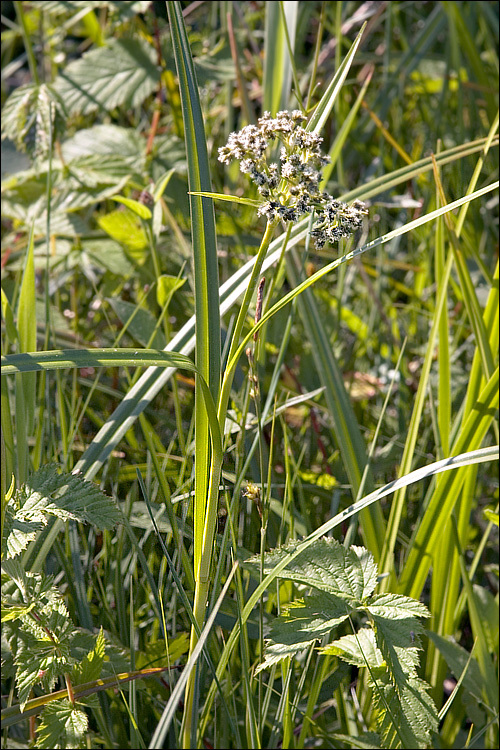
<point x="393" y="333"/>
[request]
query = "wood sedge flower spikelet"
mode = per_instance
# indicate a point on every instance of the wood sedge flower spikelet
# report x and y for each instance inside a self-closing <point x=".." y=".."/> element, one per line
<point x="258" y="306"/>
<point x="290" y="189"/>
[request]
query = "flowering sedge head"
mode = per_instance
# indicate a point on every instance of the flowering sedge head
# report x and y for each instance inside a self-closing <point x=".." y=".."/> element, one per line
<point x="290" y="189"/>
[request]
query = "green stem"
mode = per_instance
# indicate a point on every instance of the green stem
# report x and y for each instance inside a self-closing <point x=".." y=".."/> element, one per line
<point x="202" y="571"/>
<point x="27" y="42"/>
<point x="229" y="373"/>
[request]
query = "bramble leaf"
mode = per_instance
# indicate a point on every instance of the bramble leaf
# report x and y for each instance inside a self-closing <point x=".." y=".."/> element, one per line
<point x="123" y="73"/>
<point x="29" y="115"/>
<point x="407" y="715"/>
<point x="397" y="640"/>
<point x="397" y="607"/>
<point x="326" y="565"/>
<point x="62" y="725"/>
<point x="302" y="625"/>
<point x="388" y="644"/>
<point x="90" y="667"/>
<point x="359" y="649"/>
<point x="43" y="638"/>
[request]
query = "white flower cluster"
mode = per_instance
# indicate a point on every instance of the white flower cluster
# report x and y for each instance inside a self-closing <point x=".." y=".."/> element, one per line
<point x="291" y="189"/>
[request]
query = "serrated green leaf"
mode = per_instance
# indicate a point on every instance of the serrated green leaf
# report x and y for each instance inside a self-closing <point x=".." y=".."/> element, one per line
<point x="302" y="625"/>
<point x="123" y="73"/>
<point x="109" y="255"/>
<point x="106" y="143"/>
<point x="407" y="716"/>
<point x="364" y="741"/>
<point x="397" y="606"/>
<point x="65" y="496"/>
<point x="399" y="644"/>
<point x="75" y="186"/>
<point x="32" y="117"/>
<point x="326" y="565"/>
<point x="15" y="612"/>
<point x="90" y="667"/>
<point x="62" y="725"/>
<point x="38" y="662"/>
<point x="359" y="649"/>
<point x="116" y="659"/>
<point x="18" y="532"/>
<point x="44" y="634"/>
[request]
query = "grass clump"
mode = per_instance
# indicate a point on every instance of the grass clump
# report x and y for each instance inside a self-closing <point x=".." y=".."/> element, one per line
<point x="249" y="425"/>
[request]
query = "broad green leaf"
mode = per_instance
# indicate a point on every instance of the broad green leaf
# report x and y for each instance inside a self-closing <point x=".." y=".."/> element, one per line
<point x="43" y="650"/>
<point x="101" y="142"/>
<point x="90" y="667"/>
<point x="167" y="285"/>
<point x="397" y="607"/>
<point x="122" y="74"/>
<point x="126" y="228"/>
<point x="327" y="565"/>
<point x="407" y="715"/>
<point x="65" y="496"/>
<point x="398" y="645"/>
<point x="138" y="208"/>
<point x="62" y="725"/>
<point x="303" y="624"/>
<point x="18" y="532"/>
<point x="30" y="114"/>
<point x="359" y="649"/>
<point x="13" y="612"/>
<point x="109" y="255"/>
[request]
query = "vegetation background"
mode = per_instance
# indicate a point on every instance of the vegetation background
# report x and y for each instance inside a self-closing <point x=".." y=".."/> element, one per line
<point x="385" y="365"/>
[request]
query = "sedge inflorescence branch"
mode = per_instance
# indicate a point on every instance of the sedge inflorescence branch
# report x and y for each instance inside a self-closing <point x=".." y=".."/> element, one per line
<point x="290" y="189"/>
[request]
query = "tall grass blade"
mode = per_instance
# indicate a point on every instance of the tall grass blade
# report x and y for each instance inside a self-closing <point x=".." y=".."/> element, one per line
<point x="425" y="543"/>
<point x="151" y="382"/>
<point x="458" y="463"/>
<point x="277" y="63"/>
<point x="26" y="388"/>
<point x="162" y="727"/>
<point x="345" y="425"/>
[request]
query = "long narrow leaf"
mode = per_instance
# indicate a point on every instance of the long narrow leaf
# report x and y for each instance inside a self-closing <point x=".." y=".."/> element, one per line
<point x="458" y="462"/>
<point x="151" y="382"/>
